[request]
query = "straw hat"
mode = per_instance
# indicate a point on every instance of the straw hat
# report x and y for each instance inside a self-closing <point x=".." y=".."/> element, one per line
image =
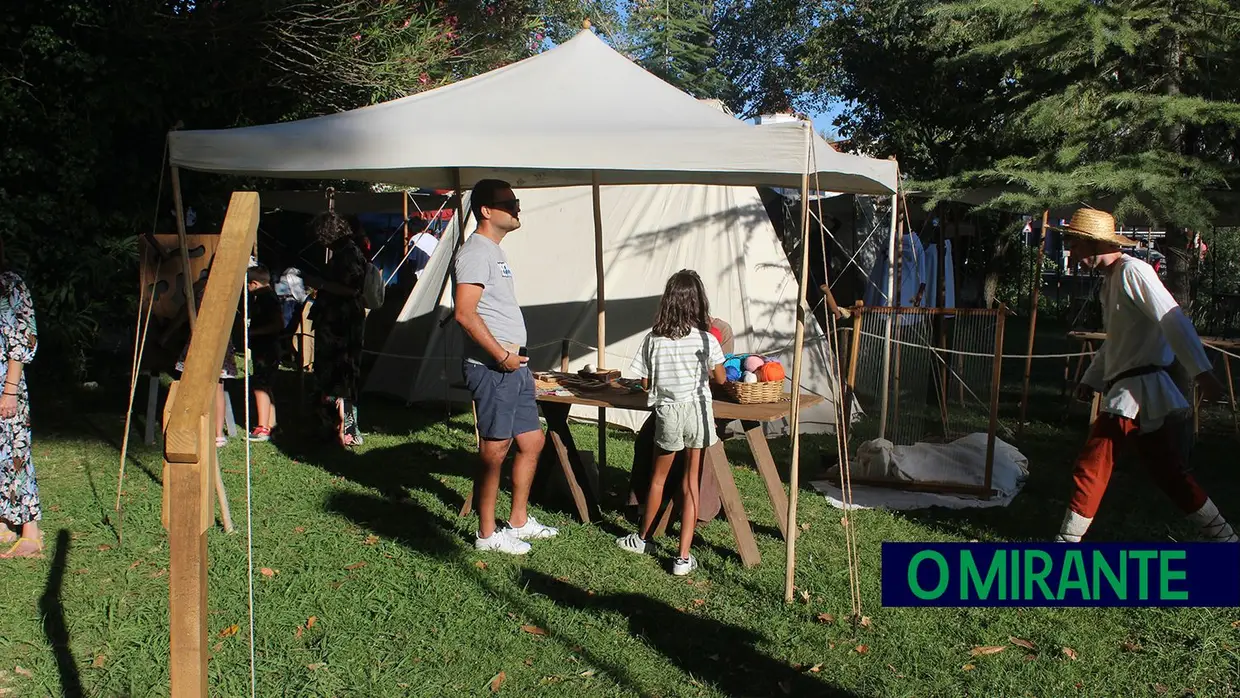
<point x="1093" y="224"/>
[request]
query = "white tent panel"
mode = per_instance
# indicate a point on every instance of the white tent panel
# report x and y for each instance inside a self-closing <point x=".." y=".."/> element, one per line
<point x="650" y="232"/>
<point x="550" y="120"/>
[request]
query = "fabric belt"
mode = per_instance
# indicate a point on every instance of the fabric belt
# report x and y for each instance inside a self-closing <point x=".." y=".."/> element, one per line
<point x="1134" y="372"/>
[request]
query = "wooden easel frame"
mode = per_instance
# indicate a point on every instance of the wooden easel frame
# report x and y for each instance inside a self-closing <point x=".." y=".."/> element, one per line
<point x="189" y="447"/>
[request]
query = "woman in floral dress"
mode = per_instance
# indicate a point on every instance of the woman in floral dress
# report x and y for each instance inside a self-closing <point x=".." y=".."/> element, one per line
<point x="19" y="494"/>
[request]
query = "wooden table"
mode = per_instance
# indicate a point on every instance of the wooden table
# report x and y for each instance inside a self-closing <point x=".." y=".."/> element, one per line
<point x="555" y="409"/>
<point x="1088" y="340"/>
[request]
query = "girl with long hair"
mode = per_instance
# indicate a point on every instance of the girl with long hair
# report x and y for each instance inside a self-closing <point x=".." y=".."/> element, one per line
<point x="677" y="362"/>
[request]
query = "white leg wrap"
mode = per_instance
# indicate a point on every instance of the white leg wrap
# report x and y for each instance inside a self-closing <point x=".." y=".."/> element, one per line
<point x="1073" y="528"/>
<point x="1212" y="524"/>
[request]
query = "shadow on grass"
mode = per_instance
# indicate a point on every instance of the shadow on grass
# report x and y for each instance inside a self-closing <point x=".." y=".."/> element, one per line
<point x="715" y="652"/>
<point x="54" y="625"/>
<point x="707" y="649"/>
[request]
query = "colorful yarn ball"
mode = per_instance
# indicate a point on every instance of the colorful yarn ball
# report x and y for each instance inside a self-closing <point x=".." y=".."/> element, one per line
<point x="749" y="377"/>
<point x="733" y="373"/>
<point x="753" y="363"/>
<point x="770" y="372"/>
<point x="733" y="363"/>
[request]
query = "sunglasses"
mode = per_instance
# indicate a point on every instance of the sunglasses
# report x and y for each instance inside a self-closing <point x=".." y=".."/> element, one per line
<point x="512" y="206"/>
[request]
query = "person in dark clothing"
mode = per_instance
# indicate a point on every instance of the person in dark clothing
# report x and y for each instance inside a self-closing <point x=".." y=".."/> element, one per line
<point x="266" y="323"/>
<point x="339" y="316"/>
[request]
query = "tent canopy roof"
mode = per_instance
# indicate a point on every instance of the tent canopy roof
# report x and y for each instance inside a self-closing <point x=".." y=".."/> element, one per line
<point x="553" y="119"/>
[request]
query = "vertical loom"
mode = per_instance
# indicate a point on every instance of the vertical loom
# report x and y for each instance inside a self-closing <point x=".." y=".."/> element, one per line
<point x="925" y="416"/>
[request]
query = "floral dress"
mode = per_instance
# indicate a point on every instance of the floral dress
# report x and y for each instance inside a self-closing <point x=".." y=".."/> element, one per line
<point x="19" y="494"/>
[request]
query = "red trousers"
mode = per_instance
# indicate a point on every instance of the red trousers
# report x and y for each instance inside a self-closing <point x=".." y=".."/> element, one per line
<point x="1159" y="452"/>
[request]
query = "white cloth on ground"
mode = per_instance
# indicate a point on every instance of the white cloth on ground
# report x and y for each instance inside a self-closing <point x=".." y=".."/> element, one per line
<point x="1145" y="327"/>
<point x="962" y="461"/>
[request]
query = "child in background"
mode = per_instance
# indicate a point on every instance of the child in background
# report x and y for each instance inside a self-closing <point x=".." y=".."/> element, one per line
<point x="677" y="362"/>
<point x="266" y="324"/>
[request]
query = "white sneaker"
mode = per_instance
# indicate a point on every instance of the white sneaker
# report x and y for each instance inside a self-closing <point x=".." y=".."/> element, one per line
<point x="531" y="530"/>
<point x="683" y="566"/>
<point x="633" y="543"/>
<point x="501" y="541"/>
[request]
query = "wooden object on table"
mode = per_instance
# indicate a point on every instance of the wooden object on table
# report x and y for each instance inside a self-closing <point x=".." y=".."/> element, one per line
<point x="189" y="449"/>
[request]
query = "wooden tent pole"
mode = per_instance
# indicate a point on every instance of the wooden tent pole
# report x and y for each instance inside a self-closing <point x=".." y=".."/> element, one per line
<point x="602" y="312"/>
<point x="183" y="243"/>
<point x="140" y="335"/>
<point x="189" y="446"/>
<point x="1033" y="323"/>
<point x="897" y="302"/>
<point x="996" y="372"/>
<point x="891" y="279"/>
<point x="794" y="478"/>
<point x="404" y="221"/>
<point x="940" y="300"/>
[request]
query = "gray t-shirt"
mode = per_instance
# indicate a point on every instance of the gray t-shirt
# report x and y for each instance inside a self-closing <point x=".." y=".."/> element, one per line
<point x="481" y="261"/>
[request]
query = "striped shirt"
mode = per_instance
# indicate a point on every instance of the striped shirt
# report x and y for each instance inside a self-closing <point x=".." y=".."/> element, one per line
<point x="679" y="369"/>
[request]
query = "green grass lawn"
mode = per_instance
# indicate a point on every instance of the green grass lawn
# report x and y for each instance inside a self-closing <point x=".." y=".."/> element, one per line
<point x="367" y="584"/>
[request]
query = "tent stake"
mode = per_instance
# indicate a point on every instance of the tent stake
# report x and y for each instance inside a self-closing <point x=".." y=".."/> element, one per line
<point x="1033" y="323"/>
<point x="602" y="314"/>
<point x="794" y="480"/>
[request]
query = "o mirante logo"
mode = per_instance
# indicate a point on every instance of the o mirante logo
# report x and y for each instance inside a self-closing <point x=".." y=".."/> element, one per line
<point x="1060" y="574"/>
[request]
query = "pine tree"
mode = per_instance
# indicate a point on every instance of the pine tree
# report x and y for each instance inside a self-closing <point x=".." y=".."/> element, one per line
<point x="1126" y="100"/>
<point x="674" y="39"/>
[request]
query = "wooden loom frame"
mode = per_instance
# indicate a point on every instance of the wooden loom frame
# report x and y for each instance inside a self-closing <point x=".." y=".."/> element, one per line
<point x="1000" y="315"/>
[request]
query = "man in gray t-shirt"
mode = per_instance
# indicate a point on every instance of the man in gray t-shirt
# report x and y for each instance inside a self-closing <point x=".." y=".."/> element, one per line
<point x="495" y="369"/>
<point x="481" y="261"/>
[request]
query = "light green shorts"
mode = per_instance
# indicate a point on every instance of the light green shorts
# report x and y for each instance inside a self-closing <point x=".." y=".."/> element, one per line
<point x="685" y="425"/>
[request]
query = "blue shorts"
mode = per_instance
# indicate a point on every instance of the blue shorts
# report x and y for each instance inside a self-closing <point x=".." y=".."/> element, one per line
<point x="505" y="402"/>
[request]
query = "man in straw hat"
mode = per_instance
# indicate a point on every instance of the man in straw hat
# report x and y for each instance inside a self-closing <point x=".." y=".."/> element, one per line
<point x="1146" y="332"/>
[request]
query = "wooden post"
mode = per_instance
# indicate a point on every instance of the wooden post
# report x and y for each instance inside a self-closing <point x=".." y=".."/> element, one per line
<point x="795" y="416"/>
<point x="891" y="278"/>
<point x="897" y="302"/>
<point x="183" y="243"/>
<point x="941" y="301"/>
<point x="855" y="351"/>
<point x="404" y="221"/>
<point x="602" y="314"/>
<point x="995" y="372"/>
<point x="189" y="446"/>
<point x="1033" y="323"/>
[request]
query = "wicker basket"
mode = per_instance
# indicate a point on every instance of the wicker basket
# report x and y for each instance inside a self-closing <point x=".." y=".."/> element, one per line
<point x="753" y="393"/>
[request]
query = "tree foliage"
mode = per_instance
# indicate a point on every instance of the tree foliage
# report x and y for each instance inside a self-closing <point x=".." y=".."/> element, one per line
<point x="674" y="39"/>
<point x="89" y="90"/>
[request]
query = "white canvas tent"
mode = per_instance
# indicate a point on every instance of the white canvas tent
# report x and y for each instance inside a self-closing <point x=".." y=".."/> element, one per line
<point x="578" y="114"/>
<point x="559" y="118"/>
<point x="650" y="232"/>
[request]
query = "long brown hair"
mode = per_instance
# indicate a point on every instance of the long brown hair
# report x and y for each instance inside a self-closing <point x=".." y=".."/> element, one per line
<point x="683" y="306"/>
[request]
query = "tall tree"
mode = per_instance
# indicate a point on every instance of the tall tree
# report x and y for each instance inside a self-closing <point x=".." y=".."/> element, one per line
<point x="881" y="59"/>
<point x="89" y="90"/>
<point x="1123" y="100"/>
<point x="674" y="39"/>
<point x="760" y="44"/>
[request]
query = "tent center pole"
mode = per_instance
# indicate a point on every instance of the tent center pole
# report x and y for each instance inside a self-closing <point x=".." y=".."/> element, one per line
<point x="602" y="313"/>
